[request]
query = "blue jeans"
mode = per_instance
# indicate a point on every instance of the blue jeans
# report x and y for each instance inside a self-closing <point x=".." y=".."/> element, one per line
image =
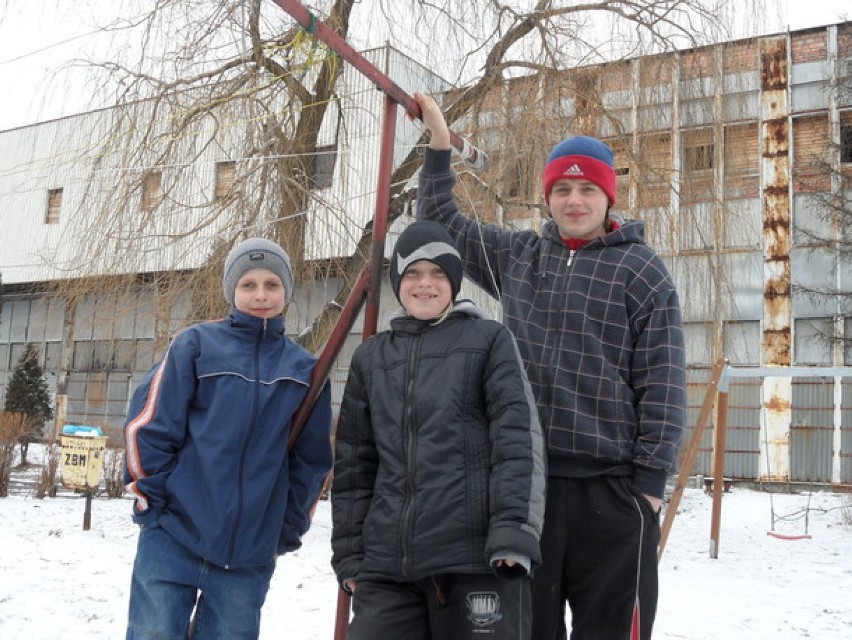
<point x="167" y="578"/>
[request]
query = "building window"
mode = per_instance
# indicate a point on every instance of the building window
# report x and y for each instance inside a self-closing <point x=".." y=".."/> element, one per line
<point x="742" y="342"/>
<point x="324" y="160"/>
<point x="226" y="173"/>
<point x="520" y="176"/>
<point x="812" y="341"/>
<point x="846" y="141"/>
<point x="742" y="149"/>
<point x="54" y="206"/>
<point x="152" y="193"/>
<point x="699" y="158"/>
<point x="698" y="150"/>
<point x="695" y="226"/>
<point x="698" y="337"/>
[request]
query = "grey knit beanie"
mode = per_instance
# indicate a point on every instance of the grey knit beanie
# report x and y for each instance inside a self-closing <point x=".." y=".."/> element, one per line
<point x="256" y="253"/>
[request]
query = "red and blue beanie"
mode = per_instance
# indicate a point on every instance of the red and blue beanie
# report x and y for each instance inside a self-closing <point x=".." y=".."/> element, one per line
<point x="581" y="158"/>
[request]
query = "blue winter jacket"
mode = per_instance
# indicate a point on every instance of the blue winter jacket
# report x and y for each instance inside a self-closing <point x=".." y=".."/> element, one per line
<point x="206" y="439"/>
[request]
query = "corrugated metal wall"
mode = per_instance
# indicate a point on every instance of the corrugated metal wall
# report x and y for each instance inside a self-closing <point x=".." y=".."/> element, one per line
<point x="812" y="430"/>
<point x="742" y="446"/>
<point x="846" y="432"/>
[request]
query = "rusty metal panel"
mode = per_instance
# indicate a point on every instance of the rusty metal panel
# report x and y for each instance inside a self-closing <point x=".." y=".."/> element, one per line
<point x="775" y="169"/>
<point x="812" y="430"/>
<point x="773" y="64"/>
<point x="742" y="442"/>
<point x="742" y="446"/>
<point x="846" y="432"/>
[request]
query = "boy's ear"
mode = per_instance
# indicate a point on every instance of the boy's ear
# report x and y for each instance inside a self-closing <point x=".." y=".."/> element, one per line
<point x="546" y="207"/>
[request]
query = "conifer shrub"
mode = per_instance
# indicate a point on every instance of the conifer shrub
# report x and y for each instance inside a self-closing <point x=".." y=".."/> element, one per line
<point x="28" y="394"/>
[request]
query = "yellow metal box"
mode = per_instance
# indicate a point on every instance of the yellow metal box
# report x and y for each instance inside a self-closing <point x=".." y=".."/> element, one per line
<point x="82" y="461"/>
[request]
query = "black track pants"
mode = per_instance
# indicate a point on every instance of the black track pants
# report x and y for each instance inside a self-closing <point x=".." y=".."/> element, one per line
<point x="447" y="607"/>
<point x="599" y="553"/>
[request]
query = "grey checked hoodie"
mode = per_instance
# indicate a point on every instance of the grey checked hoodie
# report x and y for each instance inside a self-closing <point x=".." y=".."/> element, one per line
<point x="599" y="330"/>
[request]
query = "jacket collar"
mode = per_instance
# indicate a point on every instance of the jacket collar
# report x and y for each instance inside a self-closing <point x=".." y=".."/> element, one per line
<point x="252" y="325"/>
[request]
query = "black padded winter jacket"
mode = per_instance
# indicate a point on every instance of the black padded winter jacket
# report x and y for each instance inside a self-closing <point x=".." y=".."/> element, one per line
<point x="439" y="462"/>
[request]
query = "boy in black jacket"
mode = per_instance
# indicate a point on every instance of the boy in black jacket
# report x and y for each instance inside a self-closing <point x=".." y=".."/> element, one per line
<point x="438" y="492"/>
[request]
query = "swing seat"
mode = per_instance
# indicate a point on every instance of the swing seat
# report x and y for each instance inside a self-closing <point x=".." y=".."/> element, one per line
<point x="783" y="536"/>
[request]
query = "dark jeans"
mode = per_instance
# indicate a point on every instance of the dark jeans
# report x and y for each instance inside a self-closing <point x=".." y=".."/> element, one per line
<point x="599" y="553"/>
<point x="446" y="607"/>
<point x="167" y="578"/>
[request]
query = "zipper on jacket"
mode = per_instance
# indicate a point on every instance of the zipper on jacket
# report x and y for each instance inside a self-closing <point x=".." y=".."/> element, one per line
<point x="571" y="253"/>
<point x="406" y="532"/>
<point x="249" y="431"/>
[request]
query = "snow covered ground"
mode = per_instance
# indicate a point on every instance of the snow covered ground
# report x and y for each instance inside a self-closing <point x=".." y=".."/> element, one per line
<point x="59" y="581"/>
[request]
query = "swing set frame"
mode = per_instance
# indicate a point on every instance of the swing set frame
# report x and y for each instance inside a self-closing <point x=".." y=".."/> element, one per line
<point x="717" y="394"/>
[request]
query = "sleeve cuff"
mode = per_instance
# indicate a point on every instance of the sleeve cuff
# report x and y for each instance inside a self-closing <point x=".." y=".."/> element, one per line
<point x="651" y="482"/>
<point x="436" y="161"/>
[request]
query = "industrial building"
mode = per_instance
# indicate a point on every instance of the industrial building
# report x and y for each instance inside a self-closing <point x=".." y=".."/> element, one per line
<point x="738" y="156"/>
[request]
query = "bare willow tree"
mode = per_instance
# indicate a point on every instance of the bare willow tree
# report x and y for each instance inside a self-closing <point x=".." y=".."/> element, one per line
<point x="204" y="72"/>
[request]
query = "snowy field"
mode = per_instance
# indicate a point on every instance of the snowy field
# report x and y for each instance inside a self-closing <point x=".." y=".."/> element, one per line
<point x="59" y="581"/>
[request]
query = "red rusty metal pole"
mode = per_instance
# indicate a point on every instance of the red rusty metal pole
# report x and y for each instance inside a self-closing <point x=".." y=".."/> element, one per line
<point x="371" y="313"/>
<point x="381" y="215"/>
<point x="369" y="285"/>
<point x="329" y="353"/>
<point x="369" y="282"/>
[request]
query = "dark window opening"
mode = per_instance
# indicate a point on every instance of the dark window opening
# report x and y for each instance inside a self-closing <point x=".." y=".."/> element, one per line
<point x="54" y="206"/>
<point x="226" y="173"/>
<point x="325" y="159"/>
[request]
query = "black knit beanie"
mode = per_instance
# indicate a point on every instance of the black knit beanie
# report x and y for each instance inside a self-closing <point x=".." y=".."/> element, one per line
<point x="426" y="240"/>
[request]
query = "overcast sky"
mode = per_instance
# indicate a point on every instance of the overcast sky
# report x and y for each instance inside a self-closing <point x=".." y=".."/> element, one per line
<point x="37" y="37"/>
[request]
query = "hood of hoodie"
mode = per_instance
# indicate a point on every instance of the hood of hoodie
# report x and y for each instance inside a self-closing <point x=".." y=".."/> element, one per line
<point x="629" y="231"/>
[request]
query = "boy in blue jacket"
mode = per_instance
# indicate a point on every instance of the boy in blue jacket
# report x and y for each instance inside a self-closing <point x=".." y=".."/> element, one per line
<point x="218" y="494"/>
